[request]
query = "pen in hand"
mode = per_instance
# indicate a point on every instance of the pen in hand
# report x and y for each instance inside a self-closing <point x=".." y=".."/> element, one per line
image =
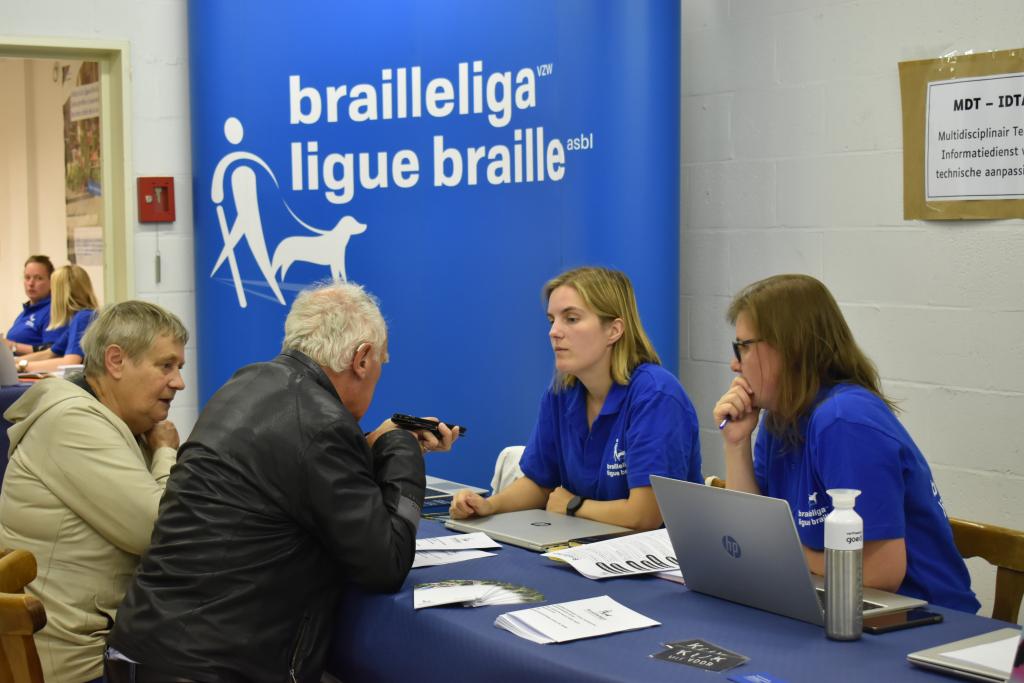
<point x="721" y="425"/>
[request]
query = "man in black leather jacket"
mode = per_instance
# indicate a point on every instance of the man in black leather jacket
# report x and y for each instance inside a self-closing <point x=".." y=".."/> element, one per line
<point x="278" y="499"/>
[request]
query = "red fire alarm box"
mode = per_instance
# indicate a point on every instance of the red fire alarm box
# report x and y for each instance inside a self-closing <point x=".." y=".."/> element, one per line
<point x="156" y="200"/>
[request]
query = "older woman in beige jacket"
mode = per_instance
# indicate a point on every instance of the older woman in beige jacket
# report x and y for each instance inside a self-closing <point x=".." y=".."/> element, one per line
<point x="89" y="459"/>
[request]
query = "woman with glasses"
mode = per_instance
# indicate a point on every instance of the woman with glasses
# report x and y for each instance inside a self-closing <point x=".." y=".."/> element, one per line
<point x="826" y="424"/>
<point x="612" y="417"/>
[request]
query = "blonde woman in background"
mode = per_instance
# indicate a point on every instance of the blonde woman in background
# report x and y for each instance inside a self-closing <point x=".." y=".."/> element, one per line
<point x="72" y="307"/>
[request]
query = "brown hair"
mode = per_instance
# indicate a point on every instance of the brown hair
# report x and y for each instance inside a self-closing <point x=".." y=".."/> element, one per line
<point x="41" y="259"/>
<point x="801" y="320"/>
<point x="609" y="294"/>
<point x="71" y="292"/>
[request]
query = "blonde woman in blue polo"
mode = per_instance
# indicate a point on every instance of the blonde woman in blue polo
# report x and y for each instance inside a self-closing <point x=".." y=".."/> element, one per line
<point x="612" y="418"/>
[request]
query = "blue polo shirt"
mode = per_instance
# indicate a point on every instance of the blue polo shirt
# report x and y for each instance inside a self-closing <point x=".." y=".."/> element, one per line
<point x="645" y="427"/>
<point x="71" y="341"/>
<point x="853" y="440"/>
<point x="29" y="326"/>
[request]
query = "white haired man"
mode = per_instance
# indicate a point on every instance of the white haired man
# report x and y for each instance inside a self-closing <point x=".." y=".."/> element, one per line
<point x="89" y="461"/>
<point x="278" y="500"/>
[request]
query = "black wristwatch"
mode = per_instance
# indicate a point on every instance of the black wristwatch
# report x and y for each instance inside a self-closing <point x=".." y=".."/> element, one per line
<point x="575" y="503"/>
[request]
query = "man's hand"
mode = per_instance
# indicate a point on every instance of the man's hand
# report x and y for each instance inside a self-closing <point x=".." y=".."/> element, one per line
<point x="427" y="441"/>
<point x="559" y="500"/>
<point x="466" y="503"/>
<point x="163" y="434"/>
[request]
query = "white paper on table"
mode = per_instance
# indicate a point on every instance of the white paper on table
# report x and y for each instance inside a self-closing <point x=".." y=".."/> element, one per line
<point x="674" y="577"/>
<point x="477" y="540"/>
<point x="446" y="595"/>
<point x="573" y="620"/>
<point x="624" y="556"/>
<point x="432" y="558"/>
<point x="997" y="655"/>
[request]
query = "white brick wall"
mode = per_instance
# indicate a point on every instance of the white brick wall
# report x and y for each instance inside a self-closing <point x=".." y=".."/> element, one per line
<point x="792" y="162"/>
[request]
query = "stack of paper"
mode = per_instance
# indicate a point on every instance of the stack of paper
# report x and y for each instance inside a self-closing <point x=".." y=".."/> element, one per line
<point x="448" y="549"/>
<point x="471" y="593"/>
<point x="635" y="554"/>
<point x="573" y="620"/>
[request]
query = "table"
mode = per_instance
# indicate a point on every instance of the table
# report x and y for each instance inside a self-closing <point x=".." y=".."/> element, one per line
<point x="8" y="395"/>
<point x="381" y="637"/>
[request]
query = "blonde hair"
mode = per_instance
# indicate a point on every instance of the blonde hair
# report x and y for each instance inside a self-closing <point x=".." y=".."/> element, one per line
<point x="71" y="291"/>
<point x="609" y="295"/>
<point x="329" y="321"/>
<point x="799" y="318"/>
<point x="132" y="325"/>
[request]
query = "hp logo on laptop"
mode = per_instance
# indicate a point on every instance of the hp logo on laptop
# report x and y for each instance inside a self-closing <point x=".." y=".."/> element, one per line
<point x="731" y="546"/>
<point x="540" y="523"/>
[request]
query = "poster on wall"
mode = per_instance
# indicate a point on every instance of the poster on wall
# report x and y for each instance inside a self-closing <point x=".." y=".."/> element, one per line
<point x="963" y="136"/>
<point x="83" y="164"/>
<point x="450" y="157"/>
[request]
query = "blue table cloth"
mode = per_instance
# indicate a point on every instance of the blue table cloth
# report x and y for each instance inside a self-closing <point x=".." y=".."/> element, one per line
<point x="381" y="637"/>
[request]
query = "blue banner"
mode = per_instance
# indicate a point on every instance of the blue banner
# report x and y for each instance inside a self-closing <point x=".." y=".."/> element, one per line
<point x="451" y="156"/>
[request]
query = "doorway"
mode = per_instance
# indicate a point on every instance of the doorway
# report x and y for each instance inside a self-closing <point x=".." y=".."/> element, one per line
<point x="73" y="203"/>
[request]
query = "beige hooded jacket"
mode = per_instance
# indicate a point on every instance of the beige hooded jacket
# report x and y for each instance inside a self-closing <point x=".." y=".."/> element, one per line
<point x="81" y="495"/>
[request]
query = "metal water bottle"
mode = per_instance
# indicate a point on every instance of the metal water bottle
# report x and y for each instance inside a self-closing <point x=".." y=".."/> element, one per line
<point x="844" y="571"/>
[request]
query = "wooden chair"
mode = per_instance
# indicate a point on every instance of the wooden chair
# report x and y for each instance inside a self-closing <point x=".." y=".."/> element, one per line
<point x="1003" y="548"/>
<point x="20" y="616"/>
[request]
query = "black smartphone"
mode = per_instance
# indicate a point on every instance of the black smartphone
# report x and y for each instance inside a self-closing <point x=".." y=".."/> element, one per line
<point x="419" y="423"/>
<point x="896" y="621"/>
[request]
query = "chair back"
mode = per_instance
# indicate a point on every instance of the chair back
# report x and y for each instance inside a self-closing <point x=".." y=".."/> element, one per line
<point x="20" y="616"/>
<point x="1003" y="548"/>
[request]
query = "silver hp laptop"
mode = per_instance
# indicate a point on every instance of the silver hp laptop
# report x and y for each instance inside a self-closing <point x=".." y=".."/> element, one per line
<point x="744" y="548"/>
<point x="988" y="657"/>
<point x="8" y="370"/>
<point x="538" y="530"/>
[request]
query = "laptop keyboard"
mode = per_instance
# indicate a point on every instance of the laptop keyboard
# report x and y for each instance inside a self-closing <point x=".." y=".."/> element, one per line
<point x="864" y="605"/>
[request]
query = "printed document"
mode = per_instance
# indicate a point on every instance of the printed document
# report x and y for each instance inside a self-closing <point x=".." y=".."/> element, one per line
<point x="472" y="593"/>
<point x="634" y="554"/>
<point x="477" y="541"/>
<point x="433" y="558"/>
<point x="573" y="620"/>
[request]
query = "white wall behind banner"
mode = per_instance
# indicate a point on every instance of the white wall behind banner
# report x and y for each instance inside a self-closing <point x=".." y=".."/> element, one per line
<point x="449" y="156"/>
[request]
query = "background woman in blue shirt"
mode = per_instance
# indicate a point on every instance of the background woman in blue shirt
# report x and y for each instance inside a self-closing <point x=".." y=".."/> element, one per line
<point x="73" y="307"/>
<point x="612" y="418"/>
<point x="827" y="424"/>
<point x="27" y="334"/>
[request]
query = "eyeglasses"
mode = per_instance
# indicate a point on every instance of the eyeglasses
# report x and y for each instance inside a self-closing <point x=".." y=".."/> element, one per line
<point x="741" y="343"/>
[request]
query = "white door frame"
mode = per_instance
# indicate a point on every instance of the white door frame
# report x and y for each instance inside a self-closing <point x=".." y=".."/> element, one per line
<point x="115" y="145"/>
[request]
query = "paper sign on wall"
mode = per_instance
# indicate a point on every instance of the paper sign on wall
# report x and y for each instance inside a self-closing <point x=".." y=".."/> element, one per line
<point x="963" y="136"/>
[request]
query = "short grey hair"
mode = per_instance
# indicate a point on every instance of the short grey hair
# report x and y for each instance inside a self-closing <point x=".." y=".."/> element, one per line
<point x="330" y="320"/>
<point x="132" y="325"/>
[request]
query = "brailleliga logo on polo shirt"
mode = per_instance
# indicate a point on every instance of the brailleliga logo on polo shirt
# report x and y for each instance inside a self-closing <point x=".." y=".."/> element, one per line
<point x="813" y="516"/>
<point x="617" y="468"/>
